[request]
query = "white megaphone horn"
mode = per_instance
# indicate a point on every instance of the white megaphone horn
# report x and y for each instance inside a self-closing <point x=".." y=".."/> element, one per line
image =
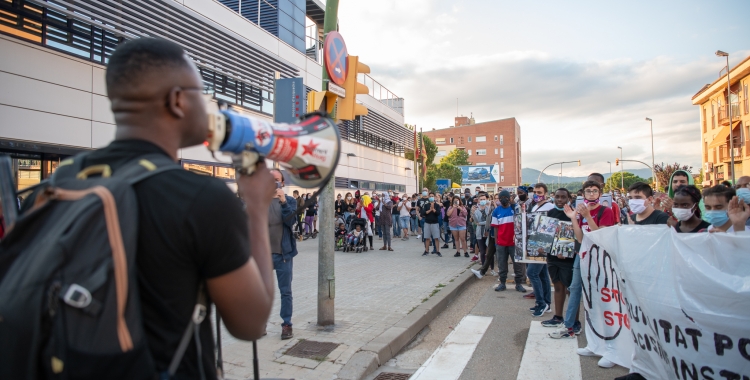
<point x="308" y="150"/>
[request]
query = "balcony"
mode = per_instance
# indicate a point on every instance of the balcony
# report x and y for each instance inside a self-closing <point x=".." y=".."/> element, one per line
<point x="724" y="116"/>
<point x="719" y="176"/>
<point x="724" y="153"/>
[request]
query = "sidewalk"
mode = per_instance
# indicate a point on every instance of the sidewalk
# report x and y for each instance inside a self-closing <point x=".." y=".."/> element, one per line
<point x="374" y="291"/>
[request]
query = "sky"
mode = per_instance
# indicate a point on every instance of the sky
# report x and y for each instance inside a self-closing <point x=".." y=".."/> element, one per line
<point x="580" y="77"/>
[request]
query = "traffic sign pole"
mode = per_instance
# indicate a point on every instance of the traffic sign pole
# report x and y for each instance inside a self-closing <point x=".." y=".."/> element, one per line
<point x="326" y="274"/>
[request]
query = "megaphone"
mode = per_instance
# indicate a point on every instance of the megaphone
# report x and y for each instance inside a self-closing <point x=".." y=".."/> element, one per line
<point x="308" y="150"/>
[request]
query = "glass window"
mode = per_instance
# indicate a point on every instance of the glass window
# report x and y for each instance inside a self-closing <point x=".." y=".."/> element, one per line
<point x="495" y="150"/>
<point x="502" y="167"/>
<point x="199" y="169"/>
<point x="224" y="172"/>
<point x="469" y="152"/>
<point x="502" y="178"/>
<point x="469" y="138"/>
<point x="481" y="163"/>
<point x="481" y="138"/>
<point x="481" y="152"/>
<point x="495" y="137"/>
<point x="441" y="153"/>
<point x="440" y="140"/>
<point x="502" y="153"/>
<point x="501" y="139"/>
<point x="451" y="140"/>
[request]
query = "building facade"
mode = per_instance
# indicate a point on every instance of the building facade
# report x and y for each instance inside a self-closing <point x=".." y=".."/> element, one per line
<point x="54" y="102"/>
<point x="714" y="109"/>
<point x="495" y="142"/>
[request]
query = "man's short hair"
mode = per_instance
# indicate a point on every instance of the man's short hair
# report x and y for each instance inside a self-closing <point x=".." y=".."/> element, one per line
<point x="720" y="191"/>
<point x="431" y="193"/>
<point x="564" y="190"/>
<point x="588" y="184"/>
<point x="543" y="186"/>
<point x="132" y="60"/>
<point x="643" y="188"/>
<point x="597" y="175"/>
<point x="279" y="171"/>
<point x="681" y="173"/>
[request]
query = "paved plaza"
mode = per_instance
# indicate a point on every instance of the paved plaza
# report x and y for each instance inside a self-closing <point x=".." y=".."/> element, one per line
<point x="374" y="291"/>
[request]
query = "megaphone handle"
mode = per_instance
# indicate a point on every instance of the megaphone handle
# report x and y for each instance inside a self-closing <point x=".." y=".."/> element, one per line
<point x="246" y="161"/>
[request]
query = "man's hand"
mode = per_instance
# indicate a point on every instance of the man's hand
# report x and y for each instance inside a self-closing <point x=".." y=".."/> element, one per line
<point x="738" y="213"/>
<point x="280" y="195"/>
<point x="584" y="211"/>
<point x="570" y="212"/>
<point x="259" y="187"/>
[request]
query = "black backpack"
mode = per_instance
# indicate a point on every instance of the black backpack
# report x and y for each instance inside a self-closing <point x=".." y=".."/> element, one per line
<point x="70" y="307"/>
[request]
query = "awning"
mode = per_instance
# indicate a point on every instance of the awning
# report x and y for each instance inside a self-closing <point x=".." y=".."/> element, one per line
<point x="455" y="186"/>
<point x="721" y="137"/>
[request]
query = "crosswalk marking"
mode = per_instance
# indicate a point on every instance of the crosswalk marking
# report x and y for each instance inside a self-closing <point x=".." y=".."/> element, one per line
<point x="450" y="359"/>
<point x="547" y="358"/>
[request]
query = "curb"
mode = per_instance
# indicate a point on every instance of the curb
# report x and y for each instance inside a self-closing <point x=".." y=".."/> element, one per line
<point x="386" y="345"/>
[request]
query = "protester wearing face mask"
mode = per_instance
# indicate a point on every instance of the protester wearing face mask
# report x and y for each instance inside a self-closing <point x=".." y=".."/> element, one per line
<point x="641" y="202"/>
<point x="457" y="223"/>
<point x="421" y="202"/>
<point x="716" y="199"/>
<point x="348" y="203"/>
<point x="431" y="230"/>
<point x="481" y="213"/>
<point x="743" y="191"/>
<point x="396" y="217"/>
<point x="686" y="210"/>
<point x="502" y="222"/>
<point x="386" y="206"/>
<point x="376" y="215"/>
<point x="404" y="208"/>
<point x="522" y="198"/>
<point x="538" y="274"/>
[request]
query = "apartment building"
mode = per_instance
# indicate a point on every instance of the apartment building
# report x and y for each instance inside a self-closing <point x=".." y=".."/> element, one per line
<point x="496" y="142"/>
<point x="714" y="109"/>
<point x="54" y="104"/>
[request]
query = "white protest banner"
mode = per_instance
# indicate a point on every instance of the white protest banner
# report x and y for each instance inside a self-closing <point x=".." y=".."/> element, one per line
<point x="686" y="299"/>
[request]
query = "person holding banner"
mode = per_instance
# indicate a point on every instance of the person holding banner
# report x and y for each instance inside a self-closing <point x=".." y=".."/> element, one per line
<point x="560" y="268"/>
<point x="686" y="209"/>
<point x="641" y="202"/>
<point x="716" y="200"/>
<point x="538" y="274"/>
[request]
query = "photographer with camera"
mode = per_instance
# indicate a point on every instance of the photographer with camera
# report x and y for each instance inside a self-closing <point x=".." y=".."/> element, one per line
<point x="283" y="248"/>
<point x="193" y="238"/>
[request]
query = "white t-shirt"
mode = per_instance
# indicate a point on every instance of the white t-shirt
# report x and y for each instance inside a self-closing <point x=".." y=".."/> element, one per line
<point x="404" y="210"/>
<point x="547" y="206"/>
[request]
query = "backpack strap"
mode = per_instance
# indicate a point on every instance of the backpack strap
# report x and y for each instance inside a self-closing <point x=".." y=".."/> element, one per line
<point x="599" y="214"/>
<point x="135" y="171"/>
<point x="199" y="314"/>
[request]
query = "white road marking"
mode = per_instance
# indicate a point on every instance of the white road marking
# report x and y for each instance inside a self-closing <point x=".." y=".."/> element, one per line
<point x="450" y="359"/>
<point x="547" y="358"/>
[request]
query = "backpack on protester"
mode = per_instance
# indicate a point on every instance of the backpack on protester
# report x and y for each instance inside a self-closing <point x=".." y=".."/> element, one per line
<point x="68" y="279"/>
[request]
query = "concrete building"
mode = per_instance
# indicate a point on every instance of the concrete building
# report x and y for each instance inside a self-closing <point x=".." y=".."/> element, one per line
<point x="495" y="142"/>
<point x="54" y="103"/>
<point x="714" y="116"/>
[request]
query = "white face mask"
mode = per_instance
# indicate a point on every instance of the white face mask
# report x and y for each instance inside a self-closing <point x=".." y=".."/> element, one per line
<point x="637" y="205"/>
<point x="683" y="214"/>
<point x="348" y="198"/>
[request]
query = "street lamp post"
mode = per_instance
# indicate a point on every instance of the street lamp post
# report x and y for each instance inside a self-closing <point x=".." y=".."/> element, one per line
<point x="539" y="178"/>
<point x="653" y="174"/>
<point x="610" y="175"/>
<point x="720" y="53"/>
<point x="622" y="168"/>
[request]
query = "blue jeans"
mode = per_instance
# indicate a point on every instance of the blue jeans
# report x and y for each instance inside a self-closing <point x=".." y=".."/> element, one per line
<point x="283" y="270"/>
<point x="396" y="230"/>
<point x="539" y="277"/>
<point x="377" y="226"/>
<point x="404" y="222"/>
<point x="576" y="289"/>
<point x="413" y="223"/>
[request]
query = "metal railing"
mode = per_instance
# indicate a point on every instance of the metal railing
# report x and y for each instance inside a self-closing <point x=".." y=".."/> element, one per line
<point x="724" y="116"/>
<point x="384" y="95"/>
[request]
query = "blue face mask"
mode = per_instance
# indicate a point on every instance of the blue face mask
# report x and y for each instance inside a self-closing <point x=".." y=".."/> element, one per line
<point x="717" y="217"/>
<point x="482" y="202"/>
<point x="744" y="194"/>
<point x="559" y="208"/>
<point x="432" y="199"/>
<point x="424" y="193"/>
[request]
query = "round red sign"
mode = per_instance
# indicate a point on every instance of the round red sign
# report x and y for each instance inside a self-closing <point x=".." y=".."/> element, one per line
<point x="334" y="56"/>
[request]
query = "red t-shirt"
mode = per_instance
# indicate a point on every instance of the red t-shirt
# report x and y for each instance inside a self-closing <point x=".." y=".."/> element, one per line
<point x="616" y="212"/>
<point x="607" y="219"/>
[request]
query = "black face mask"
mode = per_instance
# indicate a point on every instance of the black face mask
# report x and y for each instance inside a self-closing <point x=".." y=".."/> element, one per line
<point x="523" y="197"/>
<point x="505" y="202"/>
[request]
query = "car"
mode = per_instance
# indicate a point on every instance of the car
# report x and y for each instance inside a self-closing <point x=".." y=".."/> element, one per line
<point x="478" y="174"/>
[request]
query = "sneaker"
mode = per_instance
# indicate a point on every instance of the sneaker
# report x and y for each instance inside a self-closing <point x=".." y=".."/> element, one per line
<point x="425" y="253"/>
<point x="466" y="254"/>
<point x="477" y="273"/>
<point x="533" y="308"/>
<point x="286" y="332"/>
<point x="438" y="253"/>
<point x="540" y="310"/>
<point x="419" y="236"/>
<point x="556" y="321"/>
<point x="577" y="327"/>
<point x="529" y="296"/>
<point x="444" y="246"/>
<point x="585" y="352"/>
<point x="492" y="272"/>
<point x="520" y="288"/>
<point x="500" y="288"/>
<point x="434" y="252"/>
<point x="458" y="254"/>
<point x="474" y="258"/>
<point x="604" y="363"/>
<point x="563" y="333"/>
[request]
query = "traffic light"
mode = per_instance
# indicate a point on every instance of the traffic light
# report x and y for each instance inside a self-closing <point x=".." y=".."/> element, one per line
<point x="315" y="99"/>
<point x="617" y="162"/>
<point x="347" y="108"/>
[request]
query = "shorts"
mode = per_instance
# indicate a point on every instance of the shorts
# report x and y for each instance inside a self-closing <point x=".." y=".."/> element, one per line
<point x="403" y="222"/>
<point x="431" y="231"/>
<point x="459" y="228"/>
<point x="561" y="270"/>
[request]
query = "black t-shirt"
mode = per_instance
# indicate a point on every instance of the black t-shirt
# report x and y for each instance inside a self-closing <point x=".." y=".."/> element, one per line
<point x="191" y="228"/>
<point x="468" y="202"/>
<point x="433" y="217"/>
<point x="702" y="226"/>
<point x="421" y="202"/>
<point x="446" y="206"/>
<point x="340" y="207"/>
<point x="558" y="214"/>
<point x="310" y="211"/>
<point x="656" y="217"/>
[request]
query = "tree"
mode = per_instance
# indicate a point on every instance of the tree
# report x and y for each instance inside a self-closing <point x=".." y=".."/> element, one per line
<point x="430" y="148"/>
<point x="614" y="181"/>
<point x="456" y="157"/>
<point x="664" y="172"/>
<point x="442" y="170"/>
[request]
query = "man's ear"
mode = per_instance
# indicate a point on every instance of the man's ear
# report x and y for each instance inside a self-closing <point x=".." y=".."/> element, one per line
<point x="176" y="102"/>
